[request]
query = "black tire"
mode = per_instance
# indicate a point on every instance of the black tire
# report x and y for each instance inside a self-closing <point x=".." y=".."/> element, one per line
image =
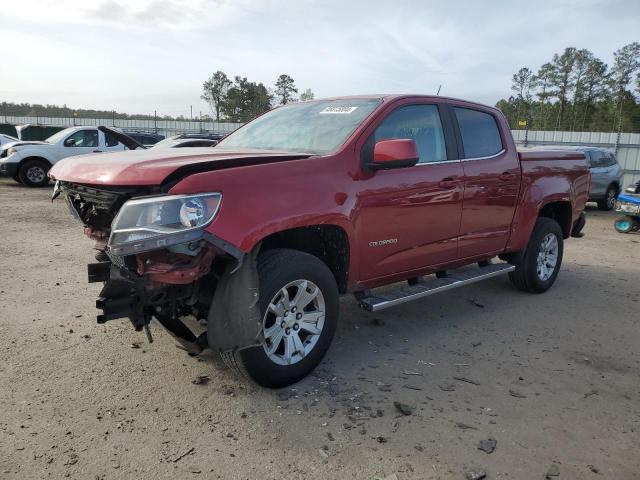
<point x="609" y="201"/>
<point x="33" y="173"/>
<point x="276" y="269"/>
<point x="526" y="277"/>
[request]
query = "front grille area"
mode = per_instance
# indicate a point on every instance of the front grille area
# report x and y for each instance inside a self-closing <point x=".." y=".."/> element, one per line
<point x="97" y="207"/>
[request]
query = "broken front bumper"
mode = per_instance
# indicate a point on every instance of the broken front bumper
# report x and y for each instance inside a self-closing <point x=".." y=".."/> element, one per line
<point x="169" y="288"/>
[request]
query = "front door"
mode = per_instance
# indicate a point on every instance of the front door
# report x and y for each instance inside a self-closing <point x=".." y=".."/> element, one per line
<point x="81" y="142"/>
<point x="409" y="218"/>
<point x="491" y="183"/>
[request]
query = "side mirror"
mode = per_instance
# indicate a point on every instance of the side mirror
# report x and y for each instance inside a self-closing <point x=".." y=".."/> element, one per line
<point x="394" y="154"/>
<point x="69" y="142"/>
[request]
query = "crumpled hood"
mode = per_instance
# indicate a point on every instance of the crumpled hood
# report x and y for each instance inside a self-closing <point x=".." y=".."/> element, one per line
<point x="22" y="144"/>
<point x="153" y="166"/>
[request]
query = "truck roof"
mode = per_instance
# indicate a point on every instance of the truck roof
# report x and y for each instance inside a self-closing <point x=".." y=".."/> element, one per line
<point x="389" y="97"/>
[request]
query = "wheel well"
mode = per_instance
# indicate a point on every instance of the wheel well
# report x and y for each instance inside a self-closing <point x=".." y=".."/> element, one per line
<point x="561" y="213"/>
<point x="327" y="242"/>
<point x="42" y="159"/>
<point x="615" y="184"/>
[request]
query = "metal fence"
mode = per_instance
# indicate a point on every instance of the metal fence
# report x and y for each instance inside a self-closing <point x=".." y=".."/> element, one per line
<point x="163" y="127"/>
<point x="626" y="146"/>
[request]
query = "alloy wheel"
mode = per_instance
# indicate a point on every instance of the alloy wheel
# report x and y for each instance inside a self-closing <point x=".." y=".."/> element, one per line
<point x="36" y="174"/>
<point x="293" y="322"/>
<point x="547" y="257"/>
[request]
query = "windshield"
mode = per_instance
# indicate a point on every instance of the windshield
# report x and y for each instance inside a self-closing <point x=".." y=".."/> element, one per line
<point x="314" y="127"/>
<point x="56" y="137"/>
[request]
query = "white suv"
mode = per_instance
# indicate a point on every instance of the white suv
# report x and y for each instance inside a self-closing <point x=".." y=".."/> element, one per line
<point x="28" y="162"/>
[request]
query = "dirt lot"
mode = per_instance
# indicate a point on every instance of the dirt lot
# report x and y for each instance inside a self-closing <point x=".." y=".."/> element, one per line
<point x="554" y="379"/>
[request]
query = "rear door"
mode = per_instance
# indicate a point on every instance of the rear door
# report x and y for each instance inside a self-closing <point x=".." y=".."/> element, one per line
<point x="599" y="173"/>
<point x="111" y="143"/>
<point x="409" y="218"/>
<point x="491" y="182"/>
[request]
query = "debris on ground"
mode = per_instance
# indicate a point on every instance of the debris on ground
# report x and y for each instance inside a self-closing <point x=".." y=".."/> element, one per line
<point x="467" y="380"/>
<point x="593" y="469"/>
<point x="476" y="303"/>
<point x="180" y="457"/>
<point x="464" y="426"/>
<point x="515" y="393"/>
<point x="380" y="439"/>
<point x="553" y="471"/>
<point x="403" y="408"/>
<point x="449" y="387"/>
<point x="488" y="445"/>
<point x="200" y="380"/>
<point x="134" y="345"/>
<point x="409" y="372"/>
<point x="593" y="391"/>
<point x="476" y="475"/>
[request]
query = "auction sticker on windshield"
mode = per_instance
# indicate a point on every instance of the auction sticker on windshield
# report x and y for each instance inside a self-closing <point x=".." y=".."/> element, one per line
<point x="338" y="110"/>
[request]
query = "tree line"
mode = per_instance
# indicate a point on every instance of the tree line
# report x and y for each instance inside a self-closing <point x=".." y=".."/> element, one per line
<point x="240" y="100"/>
<point x="576" y="91"/>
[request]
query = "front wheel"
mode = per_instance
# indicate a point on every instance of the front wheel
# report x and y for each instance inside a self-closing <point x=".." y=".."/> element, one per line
<point x="33" y="173"/>
<point x="299" y="307"/>
<point x="538" y="266"/>
<point x="609" y="200"/>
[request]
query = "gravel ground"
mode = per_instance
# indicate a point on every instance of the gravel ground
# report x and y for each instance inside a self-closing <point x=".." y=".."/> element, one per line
<point x="553" y="379"/>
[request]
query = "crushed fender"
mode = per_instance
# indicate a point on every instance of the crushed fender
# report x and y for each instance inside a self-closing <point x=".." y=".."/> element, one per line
<point x="234" y="317"/>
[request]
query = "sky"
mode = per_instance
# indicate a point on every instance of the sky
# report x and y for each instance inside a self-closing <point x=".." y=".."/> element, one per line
<point x="141" y="56"/>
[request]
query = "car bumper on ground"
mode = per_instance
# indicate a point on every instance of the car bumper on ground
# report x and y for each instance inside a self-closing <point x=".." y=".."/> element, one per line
<point x="8" y="169"/>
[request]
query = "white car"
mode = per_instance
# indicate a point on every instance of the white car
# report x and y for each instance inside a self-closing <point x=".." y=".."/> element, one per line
<point x="28" y="162"/>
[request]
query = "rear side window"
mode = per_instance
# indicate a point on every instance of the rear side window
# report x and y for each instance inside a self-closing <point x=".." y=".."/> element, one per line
<point x="480" y="133"/>
<point x="110" y="140"/>
<point x="420" y="123"/>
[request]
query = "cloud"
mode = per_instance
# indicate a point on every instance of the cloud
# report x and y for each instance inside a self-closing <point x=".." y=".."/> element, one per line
<point x="144" y="55"/>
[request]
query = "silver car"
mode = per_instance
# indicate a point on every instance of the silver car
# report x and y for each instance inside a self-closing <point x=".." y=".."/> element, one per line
<point x="606" y="176"/>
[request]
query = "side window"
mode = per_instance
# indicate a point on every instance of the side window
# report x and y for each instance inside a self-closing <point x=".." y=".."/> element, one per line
<point x="420" y="123"/>
<point x="110" y="140"/>
<point x="611" y="159"/>
<point x="594" y="158"/>
<point x="599" y="159"/>
<point x="480" y="133"/>
<point x="83" y="138"/>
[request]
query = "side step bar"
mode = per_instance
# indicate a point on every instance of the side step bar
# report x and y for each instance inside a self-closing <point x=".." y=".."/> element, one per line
<point x="375" y="302"/>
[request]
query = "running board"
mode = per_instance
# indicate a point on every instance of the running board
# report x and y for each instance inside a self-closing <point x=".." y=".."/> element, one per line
<point x="375" y="302"/>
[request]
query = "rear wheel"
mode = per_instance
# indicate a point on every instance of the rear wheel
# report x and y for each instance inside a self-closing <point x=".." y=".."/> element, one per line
<point x="609" y="200"/>
<point x="299" y="307"/>
<point x="624" y="224"/>
<point x="33" y="173"/>
<point x="538" y="266"/>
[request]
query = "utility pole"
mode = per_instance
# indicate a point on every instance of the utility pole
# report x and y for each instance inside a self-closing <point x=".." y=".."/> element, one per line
<point x="155" y="121"/>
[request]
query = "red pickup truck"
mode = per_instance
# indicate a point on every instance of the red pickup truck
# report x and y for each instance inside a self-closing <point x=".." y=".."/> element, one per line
<point x="245" y="248"/>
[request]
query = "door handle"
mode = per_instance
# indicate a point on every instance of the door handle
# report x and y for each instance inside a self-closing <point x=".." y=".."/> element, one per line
<point x="97" y="151"/>
<point x="507" y="176"/>
<point x="448" y="182"/>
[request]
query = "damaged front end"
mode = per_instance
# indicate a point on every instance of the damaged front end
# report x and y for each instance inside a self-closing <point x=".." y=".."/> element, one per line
<point x="157" y="262"/>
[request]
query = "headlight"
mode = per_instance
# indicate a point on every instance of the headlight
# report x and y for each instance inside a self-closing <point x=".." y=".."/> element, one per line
<point x="11" y="151"/>
<point x="157" y="222"/>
